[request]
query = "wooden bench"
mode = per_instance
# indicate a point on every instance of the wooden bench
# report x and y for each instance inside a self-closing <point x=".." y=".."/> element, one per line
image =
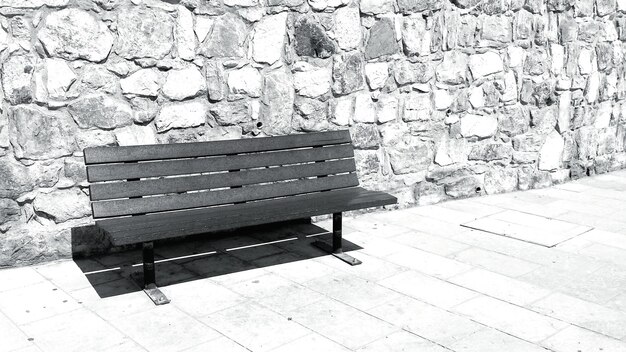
<point x="141" y="194"/>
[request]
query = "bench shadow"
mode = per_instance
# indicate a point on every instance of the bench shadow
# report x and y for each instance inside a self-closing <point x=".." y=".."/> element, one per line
<point x="115" y="271"/>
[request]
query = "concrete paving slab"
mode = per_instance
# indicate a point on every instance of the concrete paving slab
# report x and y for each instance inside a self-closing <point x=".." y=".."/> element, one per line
<point x="528" y="227"/>
<point x="255" y="327"/>
<point x="428" y="289"/>
<point x="402" y="341"/>
<point x="511" y="319"/>
<point x="164" y="329"/>
<point x="494" y="261"/>
<point x="578" y="339"/>
<point x="499" y="286"/>
<point x="343" y="324"/>
<point x="583" y="314"/>
<point x="425" y="320"/>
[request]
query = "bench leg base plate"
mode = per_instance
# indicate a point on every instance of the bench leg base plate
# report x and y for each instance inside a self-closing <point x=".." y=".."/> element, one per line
<point x="156" y="295"/>
<point x="341" y="255"/>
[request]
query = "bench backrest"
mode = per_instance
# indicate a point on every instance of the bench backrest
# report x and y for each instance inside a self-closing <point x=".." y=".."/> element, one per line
<point x="145" y="179"/>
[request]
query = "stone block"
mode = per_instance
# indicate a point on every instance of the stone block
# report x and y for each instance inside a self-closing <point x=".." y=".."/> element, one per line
<point x="75" y="34"/>
<point x="146" y="33"/>
<point x="382" y="39"/>
<point x="348" y="73"/>
<point x="311" y="38"/>
<point x="40" y="134"/>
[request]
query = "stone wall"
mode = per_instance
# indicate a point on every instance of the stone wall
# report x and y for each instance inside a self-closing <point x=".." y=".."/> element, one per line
<point x="443" y="99"/>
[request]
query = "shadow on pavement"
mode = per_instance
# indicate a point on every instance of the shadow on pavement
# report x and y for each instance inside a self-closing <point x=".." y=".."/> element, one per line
<point x="206" y="256"/>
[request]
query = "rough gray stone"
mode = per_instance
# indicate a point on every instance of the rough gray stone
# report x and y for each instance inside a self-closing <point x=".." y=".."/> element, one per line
<point x="40" y="134"/>
<point x="94" y="138"/>
<point x="407" y="73"/>
<point x="523" y="25"/>
<point x="32" y="4"/>
<point x="347" y="73"/>
<point x="367" y="163"/>
<point x="27" y="245"/>
<point x="9" y="211"/>
<point x="101" y="111"/>
<point x="415" y="37"/>
<point x="94" y="78"/>
<point x="568" y="29"/>
<point x="365" y="136"/>
<point x="230" y="114"/>
<point x="500" y="180"/>
<point x="478" y="126"/>
<point x="312" y="82"/>
<point x="497" y="30"/>
<point x="412" y="6"/>
<point x="513" y="120"/>
<point x="376" y="74"/>
<point x="544" y="120"/>
<point x="453" y="68"/>
<point x="382" y="40"/>
<point x="15" y="178"/>
<point x="464" y="4"/>
<point x="17" y="72"/>
<point x="417" y="107"/>
<point x="451" y="151"/>
<point x="348" y="27"/>
<point x="135" y="135"/>
<point x="494" y="7"/>
<point x="144" y="110"/>
<point x="277" y="102"/>
<point x="59" y="78"/>
<point x="491" y="152"/>
<point x="215" y="80"/>
<point x="311" y="39"/>
<point x="310" y="115"/>
<point x="528" y="142"/>
<point x="181" y="115"/>
<point x="605" y="7"/>
<point x="410" y="155"/>
<point x="466" y="186"/>
<point x="144" y="33"/>
<point x="269" y="38"/>
<point x="246" y="80"/>
<point x="74" y="169"/>
<point x="75" y="34"/>
<point x="427" y="193"/>
<point x="481" y="65"/>
<point x="386" y="109"/>
<point x="376" y="7"/>
<point x="604" y="55"/>
<point x="63" y="205"/>
<point x="185" y="83"/>
<point x="185" y="36"/>
<point x="286" y="3"/>
<point x="145" y="82"/>
<point x="536" y="62"/>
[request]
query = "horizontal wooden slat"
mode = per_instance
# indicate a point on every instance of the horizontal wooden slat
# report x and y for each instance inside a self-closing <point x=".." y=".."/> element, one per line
<point x="220" y="218"/>
<point x="100" y="155"/>
<point x="113" y="172"/>
<point x="162" y="219"/>
<point x="247" y="218"/>
<point x="103" y="191"/>
<point x="202" y="199"/>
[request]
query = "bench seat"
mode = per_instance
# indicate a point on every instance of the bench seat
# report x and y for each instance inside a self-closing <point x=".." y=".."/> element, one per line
<point x="129" y="230"/>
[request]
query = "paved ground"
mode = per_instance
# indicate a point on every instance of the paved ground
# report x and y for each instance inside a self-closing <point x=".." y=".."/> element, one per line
<point x="427" y="284"/>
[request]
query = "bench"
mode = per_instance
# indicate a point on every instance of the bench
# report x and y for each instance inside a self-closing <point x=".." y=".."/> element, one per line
<point x="142" y="194"/>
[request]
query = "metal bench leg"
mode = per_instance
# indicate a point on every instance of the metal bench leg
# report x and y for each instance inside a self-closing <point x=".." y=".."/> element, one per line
<point x="149" y="282"/>
<point x="337" y="246"/>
